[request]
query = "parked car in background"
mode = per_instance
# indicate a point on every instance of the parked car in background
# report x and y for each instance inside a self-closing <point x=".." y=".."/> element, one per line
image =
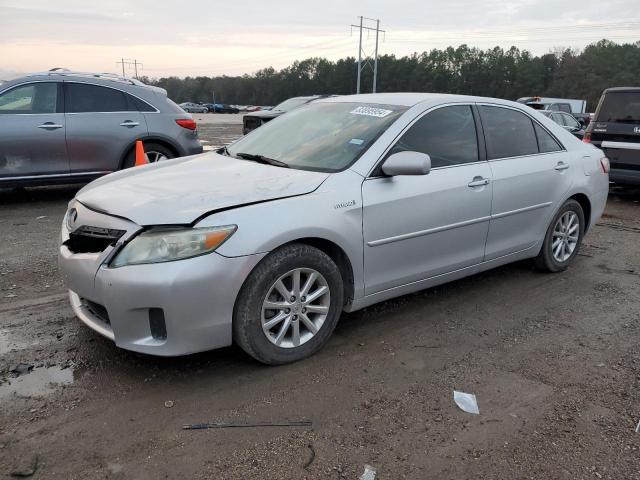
<point x="566" y="121"/>
<point x="191" y="107"/>
<point x="337" y="205"/>
<point x="64" y="127"/>
<point x="253" y="120"/>
<point x="221" y="108"/>
<point x="616" y="130"/>
<point x="577" y="108"/>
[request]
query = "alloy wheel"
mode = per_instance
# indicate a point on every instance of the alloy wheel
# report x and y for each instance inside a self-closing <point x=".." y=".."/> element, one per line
<point x="295" y="307"/>
<point x="155" y="156"/>
<point x="565" y="236"/>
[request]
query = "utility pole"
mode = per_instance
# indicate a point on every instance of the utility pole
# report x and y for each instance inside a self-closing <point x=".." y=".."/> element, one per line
<point x="362" y="53"/>
<point x="128" y="61"/>
<point x="359" y="56"/>
<point x="375" y="63"/>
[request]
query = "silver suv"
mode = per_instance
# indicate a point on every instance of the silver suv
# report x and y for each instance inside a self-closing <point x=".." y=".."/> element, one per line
<point x="68" y="127"/>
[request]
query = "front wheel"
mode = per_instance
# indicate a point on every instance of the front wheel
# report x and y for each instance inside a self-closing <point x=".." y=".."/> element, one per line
<point x="563" y="238"/>
<point x="289" y="305"/>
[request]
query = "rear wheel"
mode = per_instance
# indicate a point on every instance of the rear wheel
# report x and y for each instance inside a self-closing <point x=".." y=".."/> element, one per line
<point x="155" y="153"/>
<point x="563" y="238"/>
<point x="289" y="305"/>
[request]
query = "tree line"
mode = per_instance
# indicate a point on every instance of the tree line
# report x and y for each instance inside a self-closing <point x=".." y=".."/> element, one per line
<point x="495" y="72"/>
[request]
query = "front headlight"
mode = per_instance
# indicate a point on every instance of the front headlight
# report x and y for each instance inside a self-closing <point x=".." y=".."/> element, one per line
<point x="166" y="245"/>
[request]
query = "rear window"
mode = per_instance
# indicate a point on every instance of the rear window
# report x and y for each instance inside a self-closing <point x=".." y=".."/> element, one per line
<point x="620" y="107"/>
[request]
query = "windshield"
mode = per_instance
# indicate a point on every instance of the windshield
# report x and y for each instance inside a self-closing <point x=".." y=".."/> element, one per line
<point x="326" y="137"/>
<point x="290" y="104"/>
<point x="620" y="107"/>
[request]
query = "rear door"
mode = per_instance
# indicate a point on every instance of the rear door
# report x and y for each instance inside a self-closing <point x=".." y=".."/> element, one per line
<point x="531" y="173"/>
<point x="32" y="131"/>
<point x="417" y="227"/>
<point x="102" y="124"/>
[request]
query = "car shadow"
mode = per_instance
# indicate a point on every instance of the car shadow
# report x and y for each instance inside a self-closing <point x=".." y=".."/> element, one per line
<point x="21" y="195"/>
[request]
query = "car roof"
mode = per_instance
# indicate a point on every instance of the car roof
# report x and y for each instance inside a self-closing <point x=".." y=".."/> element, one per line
<point x="622" y="89"/>
<point x="106" y="79"/>
<point x="409" y="99"/>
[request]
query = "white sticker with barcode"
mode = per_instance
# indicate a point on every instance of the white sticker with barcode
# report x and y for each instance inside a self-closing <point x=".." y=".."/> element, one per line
<point x="371" y="112"/>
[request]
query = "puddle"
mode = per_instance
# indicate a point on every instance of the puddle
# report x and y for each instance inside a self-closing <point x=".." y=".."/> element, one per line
<point x="38" y="383"/>
<point x="9" y="343"/>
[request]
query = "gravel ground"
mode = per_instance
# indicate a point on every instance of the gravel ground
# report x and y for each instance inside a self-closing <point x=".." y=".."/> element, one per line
<point x="553" y="360"/>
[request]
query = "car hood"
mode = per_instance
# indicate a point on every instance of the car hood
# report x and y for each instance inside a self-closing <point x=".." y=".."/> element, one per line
<point x="182" y="190"/>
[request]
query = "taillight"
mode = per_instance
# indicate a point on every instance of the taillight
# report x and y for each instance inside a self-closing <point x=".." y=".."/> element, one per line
<point x="605" y="165"/>
<point x="587" y="137"/>
<point x="187" y="123"/>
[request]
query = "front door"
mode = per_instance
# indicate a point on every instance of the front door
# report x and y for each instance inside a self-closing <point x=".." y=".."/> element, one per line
<point x="32" y="131"/>
<point x="102" y="123"/>
<point x="416" y="227"/>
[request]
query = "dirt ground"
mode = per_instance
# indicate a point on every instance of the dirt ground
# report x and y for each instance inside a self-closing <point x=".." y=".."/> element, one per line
<point x="553" y="360"/>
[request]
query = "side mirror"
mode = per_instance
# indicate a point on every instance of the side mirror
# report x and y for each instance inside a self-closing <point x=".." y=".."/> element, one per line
<point x="407" y="163"/>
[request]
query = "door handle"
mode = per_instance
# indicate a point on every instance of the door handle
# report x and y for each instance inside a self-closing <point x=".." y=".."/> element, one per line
<point x="129" y="123"/>
<point x="478" y="182"/>
<point x="561" y="166"/>
<point x="50" y="126"/>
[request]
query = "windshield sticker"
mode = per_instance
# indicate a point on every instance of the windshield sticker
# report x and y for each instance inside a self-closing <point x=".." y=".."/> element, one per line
<point x="371" y="112"/>
<point x="356" y="141"/>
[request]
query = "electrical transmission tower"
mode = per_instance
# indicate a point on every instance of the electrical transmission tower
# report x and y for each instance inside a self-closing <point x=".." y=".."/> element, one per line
<point x="362" y="53"/>
<point x="129" y="61"/>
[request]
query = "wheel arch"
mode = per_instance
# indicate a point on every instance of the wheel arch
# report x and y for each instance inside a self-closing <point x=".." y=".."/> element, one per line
<point x="148" y="139"/>
<point x="337" y="254"/>
<point x="585" y="203"/>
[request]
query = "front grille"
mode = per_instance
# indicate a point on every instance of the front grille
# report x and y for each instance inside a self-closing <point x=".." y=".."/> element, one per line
<point x="92" y="239"/>
<point x="96" y="310"/>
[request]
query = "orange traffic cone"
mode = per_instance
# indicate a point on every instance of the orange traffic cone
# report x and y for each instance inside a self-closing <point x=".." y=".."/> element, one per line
<point x="141" y="157"/>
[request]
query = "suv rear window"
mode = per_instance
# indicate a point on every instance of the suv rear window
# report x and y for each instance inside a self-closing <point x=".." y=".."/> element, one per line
<point x="620" y="107"/>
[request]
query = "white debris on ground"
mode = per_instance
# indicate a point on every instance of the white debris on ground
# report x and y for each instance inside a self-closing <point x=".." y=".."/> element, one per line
<point x="369" y="473"/>
<point x="466" y="401"/>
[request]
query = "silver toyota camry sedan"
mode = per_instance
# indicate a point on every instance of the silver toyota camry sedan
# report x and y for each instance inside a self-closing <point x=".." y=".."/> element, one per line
<point x="332" y="207"/>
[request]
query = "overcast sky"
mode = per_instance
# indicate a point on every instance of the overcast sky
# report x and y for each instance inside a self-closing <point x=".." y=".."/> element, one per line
<point x="214" y="37"/>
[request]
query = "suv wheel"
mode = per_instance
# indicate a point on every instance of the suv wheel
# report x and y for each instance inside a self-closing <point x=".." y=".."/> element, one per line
<point x="563" y="238"/>
<point x="289" y="305"/>
<point x="155" y="153"/>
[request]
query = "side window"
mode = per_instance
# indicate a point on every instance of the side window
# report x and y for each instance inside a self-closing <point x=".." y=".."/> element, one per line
<point x="33" y="98"/>
<point x="508" y="132"/>
<point x="546" y="142"/>
<point x="134" y="104"/>
<point x="556" y="117"/>
<point x="82" y="98"/>
<point x="564" y="107"/>
<point x="447" y="135"/>
<point x="570" y="121"/>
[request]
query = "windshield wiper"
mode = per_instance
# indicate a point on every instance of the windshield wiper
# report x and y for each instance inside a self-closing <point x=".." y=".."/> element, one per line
<point x="224" y="151"/>
<point x="262" y="159"/>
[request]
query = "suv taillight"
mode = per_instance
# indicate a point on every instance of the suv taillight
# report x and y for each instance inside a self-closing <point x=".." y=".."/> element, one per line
<point x="587" y="137"/>
<point x="187" y="123"/>
<point x="605" y="165"/>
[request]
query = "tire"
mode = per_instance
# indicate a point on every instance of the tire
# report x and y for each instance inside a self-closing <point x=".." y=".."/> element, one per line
<point x="260" y="287"/>
<point x="549" y="261"/>
<point x="153" y="151"/>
